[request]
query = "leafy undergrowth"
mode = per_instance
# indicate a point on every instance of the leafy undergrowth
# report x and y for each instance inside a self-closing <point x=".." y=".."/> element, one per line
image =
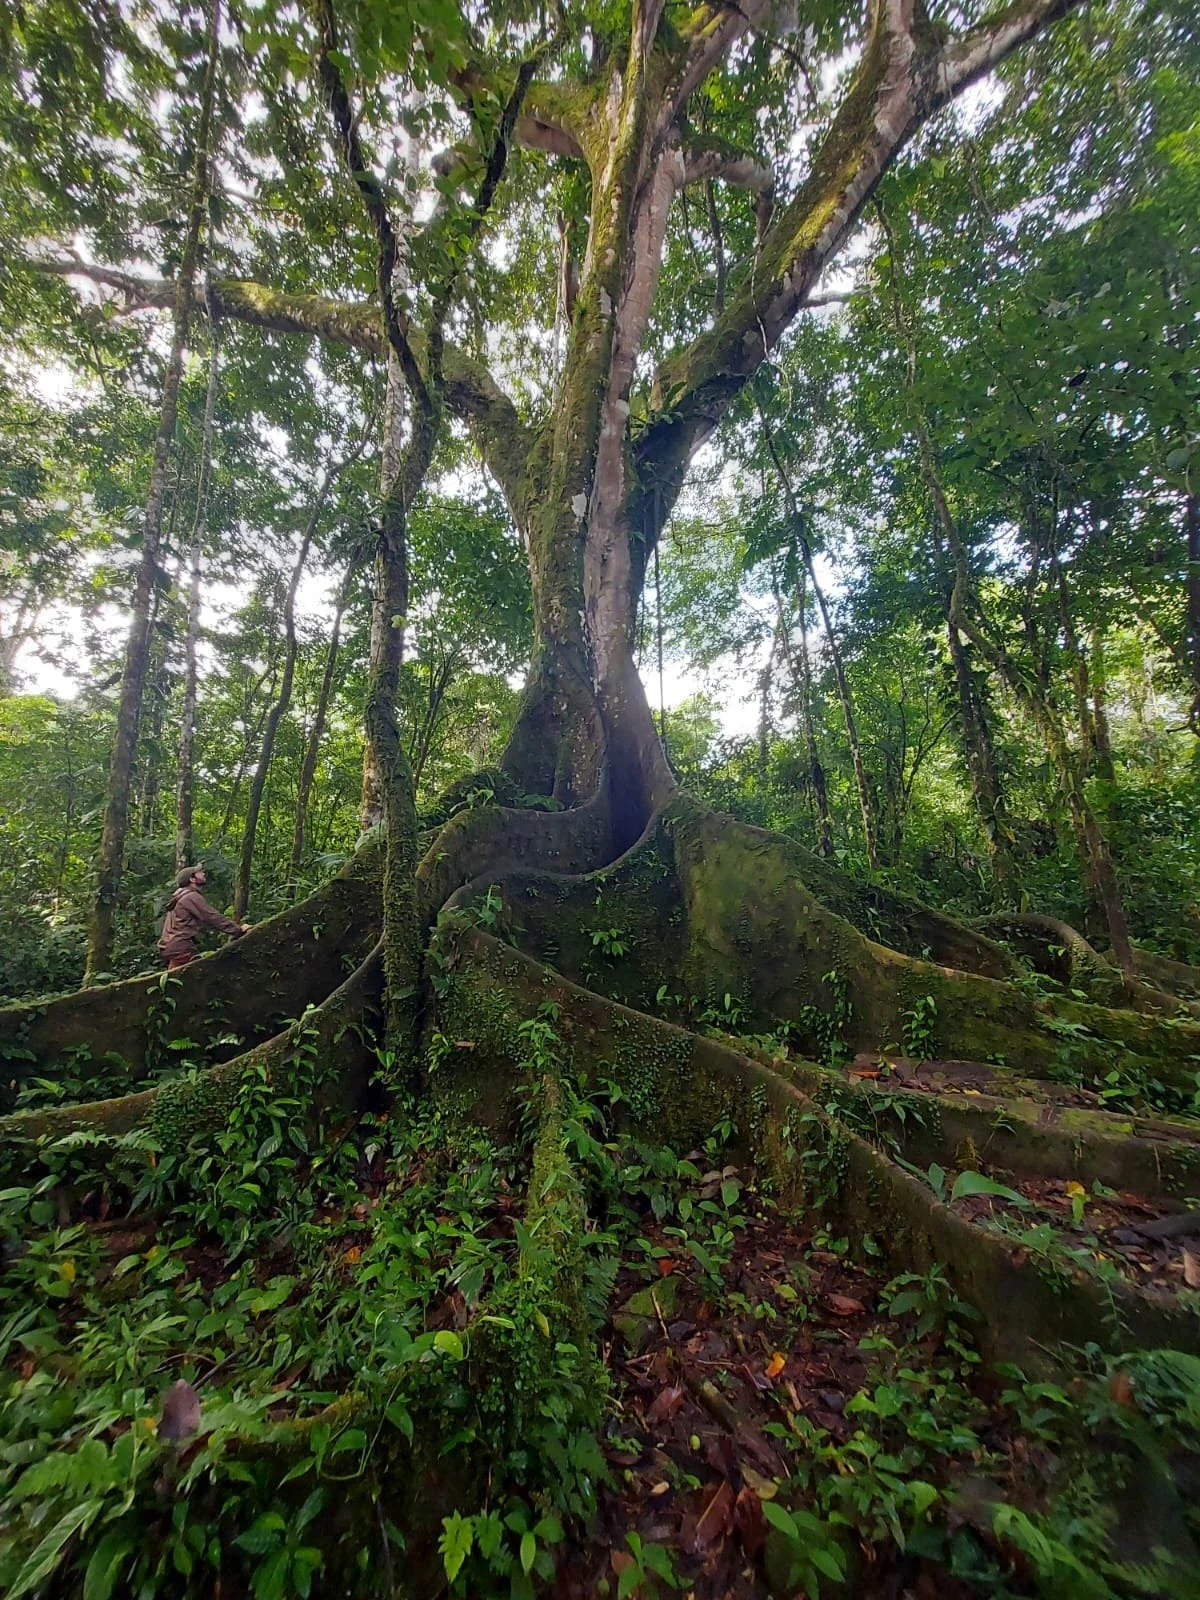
<point x="1103" y="1230"/>
<point x="801" y="1424"/>
<point x="690" y="1390"/>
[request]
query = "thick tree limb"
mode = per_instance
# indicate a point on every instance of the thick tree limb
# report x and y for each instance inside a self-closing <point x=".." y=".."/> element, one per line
<point x="708" y="34"/>
<point x="730" y="165"/>
<point x="536" y="132"/>
<point x="905" y="76"/>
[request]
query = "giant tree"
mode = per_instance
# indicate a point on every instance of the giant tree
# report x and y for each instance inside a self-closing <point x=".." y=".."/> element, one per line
<point x="582" y="837"/>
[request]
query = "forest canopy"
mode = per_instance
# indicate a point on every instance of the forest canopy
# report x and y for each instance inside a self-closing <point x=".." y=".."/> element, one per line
<point x="651" y="554"/>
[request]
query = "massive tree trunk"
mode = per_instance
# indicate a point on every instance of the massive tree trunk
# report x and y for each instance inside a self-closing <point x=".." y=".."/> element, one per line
<point x="133" y="678"/>
<point x="794" y="947"/>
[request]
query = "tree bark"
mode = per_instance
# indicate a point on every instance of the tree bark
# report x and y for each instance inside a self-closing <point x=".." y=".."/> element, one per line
<point x="116" y="808"/>
<point x="241" y="884"/>
<point x="987" y="787"/>
<point x="589" y="490"/>
<point x="149" y="753"/>
<point x="185" y="842"/>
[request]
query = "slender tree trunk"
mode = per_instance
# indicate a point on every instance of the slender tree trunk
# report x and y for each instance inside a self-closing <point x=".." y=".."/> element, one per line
<point x="68" y="824"/>
<point x="385" y="583"/>
<point x="393" y="772"/>
<point x="248" y="744"/>
<point x="980" y="752"/>
<point x="839" y="669"/>
<point x="441" y="676"/>
<point x="1098" y="676"/>
<point x="765" y="680"/>
<point x="185" y="842"/>
<point x="1030" y="693"/>
<point x="149" y="753"/>
<point x="802" y="678"/>
<point x="116" y="808"/>
<point x="18" y="624"/>
<point x="1080" y="677"/>
<point x="241" y="884"/>
<point x="312" y="749"/>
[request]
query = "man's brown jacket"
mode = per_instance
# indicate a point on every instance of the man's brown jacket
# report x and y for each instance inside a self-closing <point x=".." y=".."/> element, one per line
<point x="188" y="914"/>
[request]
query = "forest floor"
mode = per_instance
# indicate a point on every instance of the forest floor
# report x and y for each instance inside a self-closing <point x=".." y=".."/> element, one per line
<point x="779" y="1413"/>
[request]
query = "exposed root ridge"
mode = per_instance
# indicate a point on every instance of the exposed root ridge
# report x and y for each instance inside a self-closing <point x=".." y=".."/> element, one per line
<point x="342" y="1026"/>
<point x="1060" y="951"/>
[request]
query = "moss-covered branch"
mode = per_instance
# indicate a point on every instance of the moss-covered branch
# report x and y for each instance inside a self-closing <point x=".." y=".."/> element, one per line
<point x="905" y="75"/>
<point x="471" y="392"/>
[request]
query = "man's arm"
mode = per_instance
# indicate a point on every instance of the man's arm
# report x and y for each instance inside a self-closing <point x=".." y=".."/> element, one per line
<point x="209" y="916"/>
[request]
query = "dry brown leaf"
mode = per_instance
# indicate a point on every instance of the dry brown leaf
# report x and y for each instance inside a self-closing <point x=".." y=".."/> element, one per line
<point x="750" y="1522"/>
<point x="1120" y="1389"/>
<point x="1191" y="1269"/>
<point x="716" y="1518"/>
<point x="844" y="1305"/>
<point x="665" y="1405"/>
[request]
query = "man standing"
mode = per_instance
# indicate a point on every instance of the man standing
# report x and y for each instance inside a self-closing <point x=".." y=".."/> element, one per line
<point x="188" y="914"/>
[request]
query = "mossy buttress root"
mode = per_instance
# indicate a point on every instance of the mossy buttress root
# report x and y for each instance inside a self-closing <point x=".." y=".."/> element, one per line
<point x="675" y="1086"/>
<point x="734" y="925"/>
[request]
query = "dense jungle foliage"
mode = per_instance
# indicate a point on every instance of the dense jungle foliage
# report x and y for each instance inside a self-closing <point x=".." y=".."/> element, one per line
<point x="740" y="1138"/>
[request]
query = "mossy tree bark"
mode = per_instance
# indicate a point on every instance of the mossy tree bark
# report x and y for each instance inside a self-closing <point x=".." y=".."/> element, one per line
<point x="588" y="491"/>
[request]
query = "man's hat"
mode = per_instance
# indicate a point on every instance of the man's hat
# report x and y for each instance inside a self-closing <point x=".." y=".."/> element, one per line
<point x="182" y="879"/>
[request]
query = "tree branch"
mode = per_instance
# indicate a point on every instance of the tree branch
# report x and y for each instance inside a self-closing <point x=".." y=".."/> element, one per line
<point x="368" y="186"/>
<point x="904" y="77"/>
<point x="472" y="394"/>
<point x="708" y="34"/>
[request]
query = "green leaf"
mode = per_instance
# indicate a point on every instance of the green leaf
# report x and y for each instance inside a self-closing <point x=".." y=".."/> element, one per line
<point x="457" y="1537"/>
<point x="271" y="1576"/>
<point x="968" y="1183"/>
<point x="448" y="1343"/>
<point x="829" y="1560"/>
<point x="528" y="1551"/>
<point x="921" y="1494"/>
<point x="263" y="1534"/>
<point x="781" y="1519"/>
<point x="43" y="1560"/>
<point x="103" y="1569"/>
